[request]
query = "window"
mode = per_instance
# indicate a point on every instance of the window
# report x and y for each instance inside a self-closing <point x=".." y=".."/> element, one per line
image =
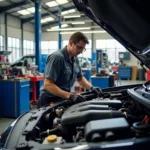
<point x="14" y="47"/>
<point x="28" y="47"/>
<point x="48" y="47"/>
<point x="112" y="47"/>
<point x="65" y="42"/>
<point x="1" y="43"/>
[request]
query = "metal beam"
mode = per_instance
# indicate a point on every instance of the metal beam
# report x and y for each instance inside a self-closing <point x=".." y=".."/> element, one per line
<point x="6" y="35"/>
<point x="44" y="8"/>
<point x="22" y="38"/>
<point x="59" y="23"/>
<point x="68" y="21"/>
<point x="37" y="34"/>
<point x="47" y="14"/>
<point x="12" y="6"/>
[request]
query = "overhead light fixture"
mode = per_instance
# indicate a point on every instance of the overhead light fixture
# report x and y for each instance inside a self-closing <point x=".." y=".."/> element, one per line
<point x="64" y="12"/>
<point x="72" y="16"/>
<point x="47" y="19"/>
<point x="67" y="29"/>
<point x="32" y="9"/>
<point x="84" y="32"/>
<point x="57" y="27"/>
<point x="1" y="0"/>
<point x="64" y="25"/>
<point x="24" y="12"/>
<point x="71" y="10"/>
<point x="52" y="4"/>
<point x="60" y="2"/>
<point x="68" y="12"/>
<point x="78" y="22"/>
<point x="56" y="3"/>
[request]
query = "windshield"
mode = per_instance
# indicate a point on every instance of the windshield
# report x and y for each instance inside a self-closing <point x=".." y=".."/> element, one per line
<point x="18" y="60"/>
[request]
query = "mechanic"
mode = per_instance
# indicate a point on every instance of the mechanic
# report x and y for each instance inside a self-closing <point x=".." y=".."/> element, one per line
<point x="61" y="71"/>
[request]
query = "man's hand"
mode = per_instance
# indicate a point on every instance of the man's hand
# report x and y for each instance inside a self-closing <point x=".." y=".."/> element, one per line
<point x="77" y="98"/>
<point x="97" y="90"/>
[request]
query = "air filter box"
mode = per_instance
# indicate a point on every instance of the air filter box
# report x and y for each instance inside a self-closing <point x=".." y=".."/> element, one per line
<point x="106" y="129"/>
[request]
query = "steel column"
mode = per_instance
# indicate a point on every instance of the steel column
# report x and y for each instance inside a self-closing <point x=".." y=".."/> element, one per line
<point x="37" y="33"/>
<point x="59" y="24"/>
<point x="92" y="47"/>
<point x="22" y="38"/>
<point x="6" y="35"/>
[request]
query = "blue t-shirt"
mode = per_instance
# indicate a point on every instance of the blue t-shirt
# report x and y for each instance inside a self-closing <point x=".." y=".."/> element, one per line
<point x="62" y="70"/>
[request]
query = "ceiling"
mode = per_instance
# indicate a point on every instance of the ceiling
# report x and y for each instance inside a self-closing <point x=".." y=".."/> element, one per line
<point x="49" y="15"/>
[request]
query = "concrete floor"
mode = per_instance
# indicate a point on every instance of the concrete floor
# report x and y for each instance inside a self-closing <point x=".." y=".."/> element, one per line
<point x="4" y="122"/>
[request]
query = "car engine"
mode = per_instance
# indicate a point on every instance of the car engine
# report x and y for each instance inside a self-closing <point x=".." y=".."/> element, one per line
<point x="121" y="113"/>
<point x="116" y="115"/>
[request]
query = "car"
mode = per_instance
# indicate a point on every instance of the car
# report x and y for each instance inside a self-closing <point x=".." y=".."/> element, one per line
<point x="84" y="62"/>
<point x="117" y="119"/>
<point x="28" y="61"/>
<point x="24" y="61"/>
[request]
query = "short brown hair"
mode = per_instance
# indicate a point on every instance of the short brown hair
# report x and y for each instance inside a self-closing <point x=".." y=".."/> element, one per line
<point x="79" y="36"/>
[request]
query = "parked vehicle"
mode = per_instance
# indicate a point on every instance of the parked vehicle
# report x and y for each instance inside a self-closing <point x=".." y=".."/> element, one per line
<point x="29" y="60"/>
<point x="84" y="62"/>
<point x="119" y="118"/>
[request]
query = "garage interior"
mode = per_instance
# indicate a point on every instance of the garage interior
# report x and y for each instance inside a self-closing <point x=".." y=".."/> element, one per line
<point x="30" y="31"/>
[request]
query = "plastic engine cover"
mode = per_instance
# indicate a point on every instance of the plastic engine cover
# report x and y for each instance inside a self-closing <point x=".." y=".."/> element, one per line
<point x="91" y="110"/>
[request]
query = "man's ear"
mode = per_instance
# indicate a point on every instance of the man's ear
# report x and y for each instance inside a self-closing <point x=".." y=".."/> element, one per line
<point x="70" y="42"/>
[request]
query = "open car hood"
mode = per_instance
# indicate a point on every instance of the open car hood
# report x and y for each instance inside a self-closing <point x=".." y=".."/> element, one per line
<point x="126" y="20"/>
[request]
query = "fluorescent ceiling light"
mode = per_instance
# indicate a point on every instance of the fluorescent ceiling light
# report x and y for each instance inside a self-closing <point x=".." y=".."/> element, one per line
<point x="72" y="16"/>
<point x="71" y="10"/>
<point x="52" y="4"/>
<point x="60" y="2"/>
<point x="32" y="9"/>
<point x="62" y="26"/>
<point x="84" y="32"/>
<point x="64" y="12"/>
<point x="68" y="11"/>
<point x="67" y="29"/>
<point x="56" y="3"/>
<point x="47" y="19"/>
<point x="24" y="12"/>
<point x="1" y="0"/>
<point x="78" y="22"/>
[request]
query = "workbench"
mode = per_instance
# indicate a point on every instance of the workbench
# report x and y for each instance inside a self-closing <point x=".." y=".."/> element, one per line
<point x="102" y="81"/>
<point x="14" y="97"/>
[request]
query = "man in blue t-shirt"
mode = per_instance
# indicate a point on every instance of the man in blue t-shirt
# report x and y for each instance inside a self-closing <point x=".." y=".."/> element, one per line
<point x="61" y="71"/>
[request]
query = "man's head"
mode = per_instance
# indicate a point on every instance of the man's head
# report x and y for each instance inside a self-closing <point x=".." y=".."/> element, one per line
<point x="77" y="43"/>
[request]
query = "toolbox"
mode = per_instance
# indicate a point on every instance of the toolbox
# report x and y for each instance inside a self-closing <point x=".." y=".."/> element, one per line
<point x="14" y="97"/>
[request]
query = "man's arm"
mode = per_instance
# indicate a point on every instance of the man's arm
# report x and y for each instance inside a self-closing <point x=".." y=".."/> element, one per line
<point x="83" y="82"/>
<point x="54" y="89"/>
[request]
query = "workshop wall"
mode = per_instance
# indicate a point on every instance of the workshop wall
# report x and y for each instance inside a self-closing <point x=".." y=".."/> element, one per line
<point x="53" y="36"/>
<point x="14" y="28"/>
<point x="2" y="31"/>
<point x="133" y="61"/>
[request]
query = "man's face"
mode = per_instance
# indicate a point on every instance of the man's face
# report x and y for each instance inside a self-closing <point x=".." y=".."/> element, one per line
<point x="77" y="48"/>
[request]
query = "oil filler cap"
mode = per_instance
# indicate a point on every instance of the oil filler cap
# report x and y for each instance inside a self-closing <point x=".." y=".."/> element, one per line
<point x="51" y="138"/>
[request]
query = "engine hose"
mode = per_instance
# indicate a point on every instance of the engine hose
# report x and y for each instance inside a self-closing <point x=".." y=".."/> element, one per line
<point x="125" y="110"/>
<point x="90" y="96"/>
<point x="47" y="132"/>
<point x="59" y="129"/>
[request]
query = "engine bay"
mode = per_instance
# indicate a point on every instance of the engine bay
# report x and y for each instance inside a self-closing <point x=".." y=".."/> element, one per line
<point x="117" y="115"/>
